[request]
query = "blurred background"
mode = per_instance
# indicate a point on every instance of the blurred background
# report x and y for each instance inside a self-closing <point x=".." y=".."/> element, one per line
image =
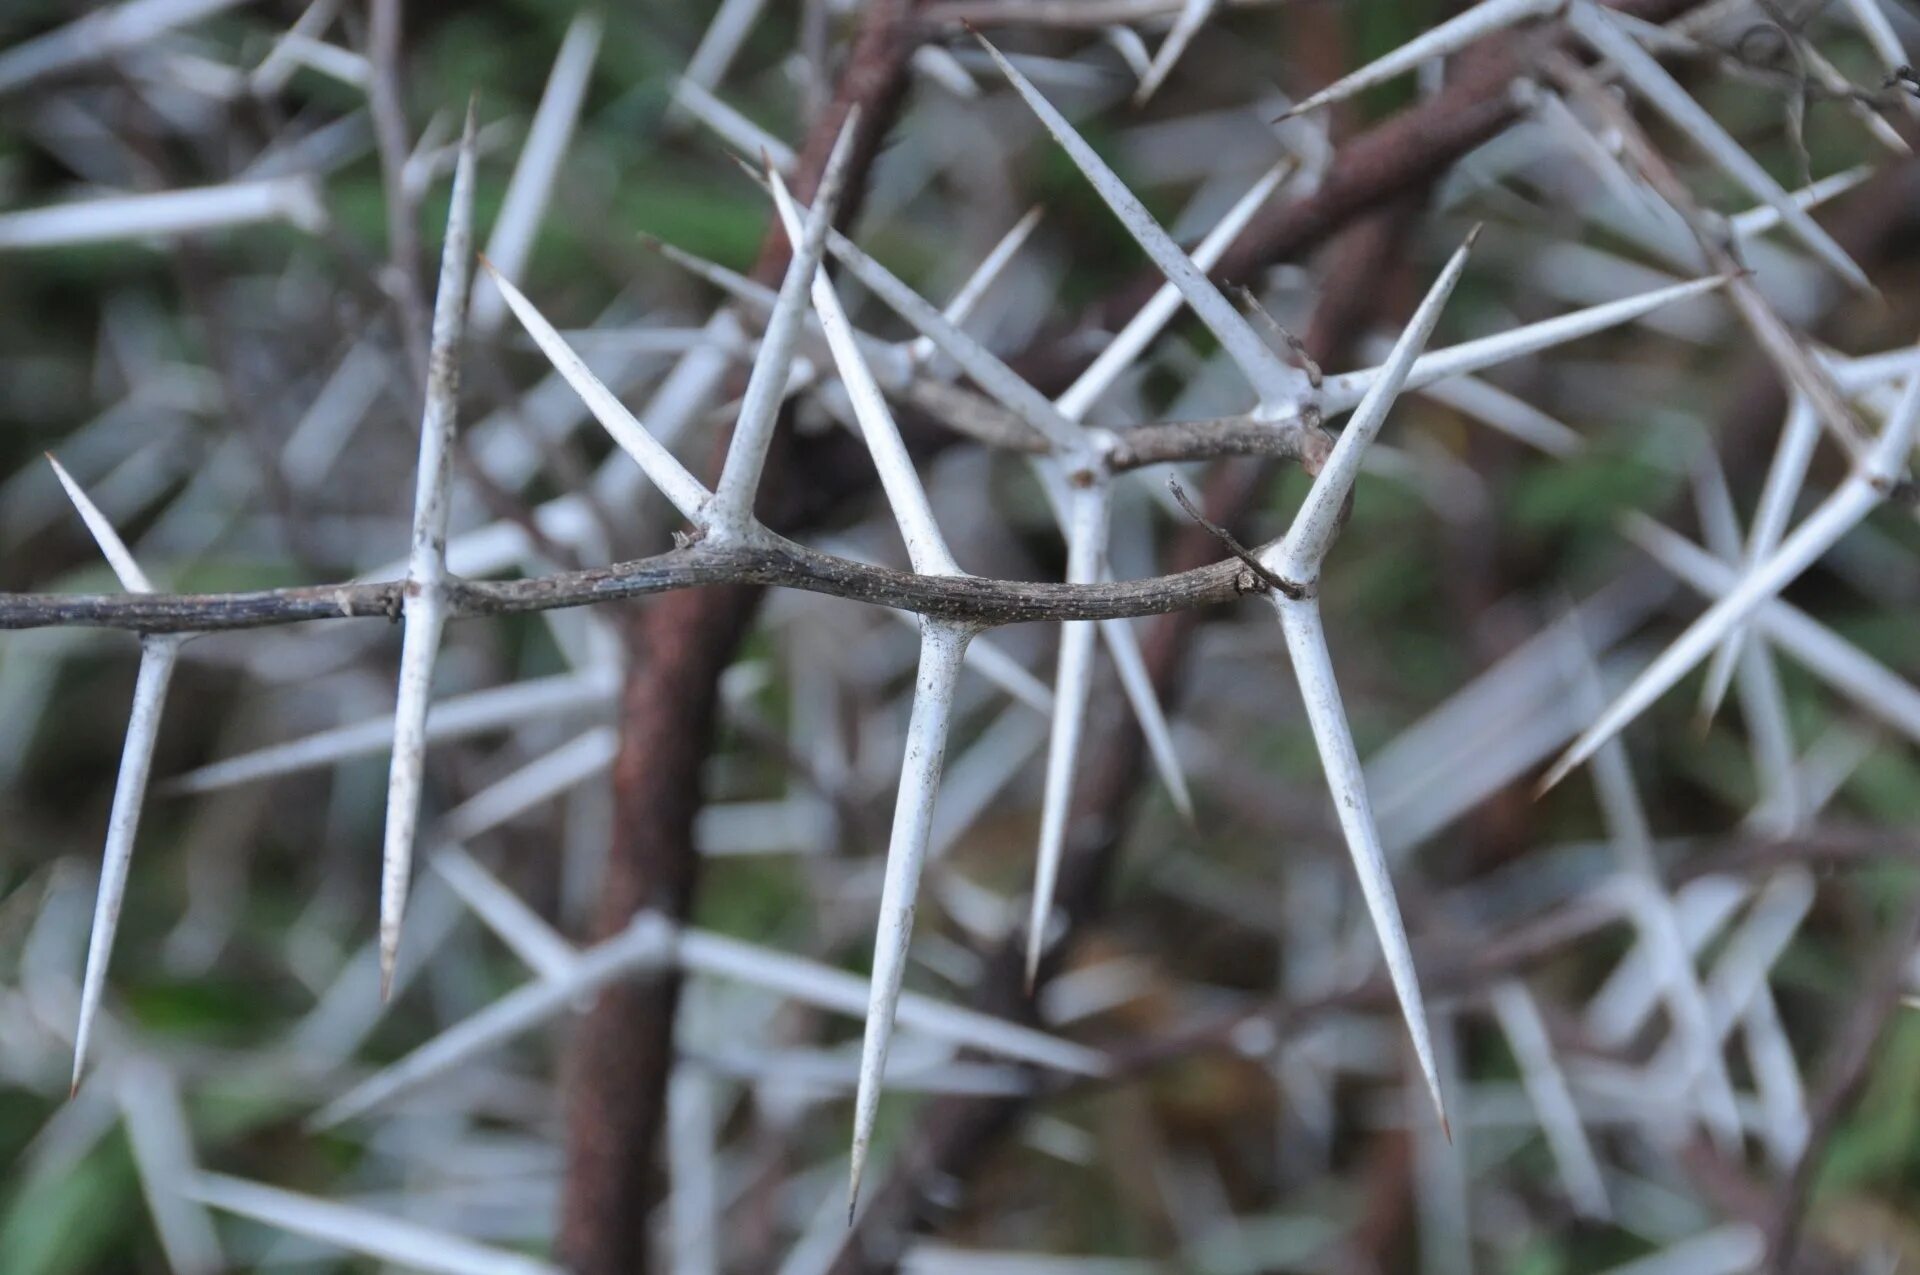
<point x="236" y="394"/>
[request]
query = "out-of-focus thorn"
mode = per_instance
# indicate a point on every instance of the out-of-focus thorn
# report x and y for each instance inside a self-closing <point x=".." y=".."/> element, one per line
<point x="1449" y="37"/>
<point x="534" y="174"/>
<point x="1192" y="16"/>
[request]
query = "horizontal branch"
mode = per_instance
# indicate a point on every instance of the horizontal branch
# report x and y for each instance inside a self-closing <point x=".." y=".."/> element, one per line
<point x="773" y="561"/>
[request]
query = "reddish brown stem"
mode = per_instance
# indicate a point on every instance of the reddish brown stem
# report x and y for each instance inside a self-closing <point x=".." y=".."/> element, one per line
<point x="677" y="649"/>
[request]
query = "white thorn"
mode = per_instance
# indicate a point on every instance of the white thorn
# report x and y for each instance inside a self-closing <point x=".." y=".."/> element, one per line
<point x="1792" y="457"/>
<point x="425" y="605"/>
<point x="357" y="1230"/>
<point x="1871" y="685"/>
<point x="536" y="172"/>
<point x="162" y="1145"/>
<point x="731" y="514"/>
<point x="1124" y="648"/>
<point x="1274" y="380"/>
<point x="294" y="199"/>
<point x="985" y="368"/>
<point x="967" y="298"/>
<point x="926" y="546"/>
<point x="644" y="943"/>
<point x="111" y="546"/>
<point x="733" y="128"/>
<point x="1546" y="1087"/>
<point x="1823" y="528"/>
<point x="686" y="492"/>
<point x="1449" y="37"/>
<point x="1313" y="667"/>
<point x="158" y="655"/>
<point x="1837" y="515"/>
<point x="476" y="712"/>
<point x="941" y="648"/>
<point x="1147" y="322"/>
<point x="1344" y="391"/>
<point x="1088" y="510"/>
<point x="1298" y="556"/>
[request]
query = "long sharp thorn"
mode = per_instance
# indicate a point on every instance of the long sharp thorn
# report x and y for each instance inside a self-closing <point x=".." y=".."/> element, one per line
<point x="926" y="545"/>
<point x="1313" y="667"/>
<point x="358" y="1230"/>
<point x="984" y="276"/>
<point x="1273" y="379"/>
<point x="756" y="296"/>
<point x="1758" y="220"/>
<point x="1088" y="510"/>
<point x="162" y="1146"/>
<point x="1297" y="558"/>
<point x="1148" y="321"/>
<point x="1653" y="910"/>
<point x="562" y="695"/>
<point x="985" y="368"/>
<point x="1665" y="94"/>
<point x="643" y="943"/>
<point x="1546" y="1087"/>
<point x="112" y="548"/>
<point x="941" y="649"/>
<point x="1299" y="554"/>
<point x="732" y="510"/>
<point x="1342" y="392"/>
<point x="686" y="492"/>
<point x="1762" y="705"/>
<point x="1449" y="37"/>
<point x="158" y="655"/>
<point x="733" y="128"/>
<point x="425" y="611"/>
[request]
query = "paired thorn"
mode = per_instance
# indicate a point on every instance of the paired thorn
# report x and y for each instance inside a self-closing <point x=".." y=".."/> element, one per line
<point x="159" y="653"/>
<point x="1272" y="378"/>
<point x="424" y="609"/>
<point x="1299" y="556"/>
<point x="731" y="513"/>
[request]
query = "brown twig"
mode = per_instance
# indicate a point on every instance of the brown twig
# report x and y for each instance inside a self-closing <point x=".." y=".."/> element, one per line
<point x="775" y="562"/>
<point x="1232" y="545"/>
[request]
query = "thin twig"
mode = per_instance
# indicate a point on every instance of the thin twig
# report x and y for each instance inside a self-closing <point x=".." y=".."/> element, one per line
<point x="1232" y="545"/>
